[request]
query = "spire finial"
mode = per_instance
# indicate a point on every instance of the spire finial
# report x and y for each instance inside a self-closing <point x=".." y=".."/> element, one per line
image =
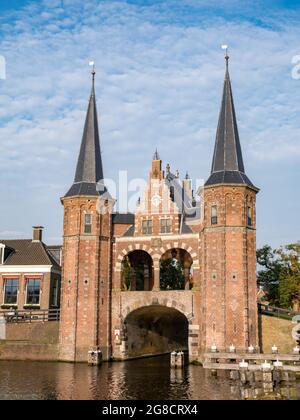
<point x="156" y="155"/>
<point x="93" y="72"/>
<point x="225" y="48"/>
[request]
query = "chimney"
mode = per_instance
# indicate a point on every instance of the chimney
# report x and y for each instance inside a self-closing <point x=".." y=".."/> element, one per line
<point x="37" y="234"/>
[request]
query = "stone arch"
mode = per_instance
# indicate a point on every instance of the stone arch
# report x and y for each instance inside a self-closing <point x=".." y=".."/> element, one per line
<point x="185" y="255"/>
<point x="160" y="303"/>
<point x="169" y="302"/>
<point x="135" y="247"/>
<point x="155" y="329"/>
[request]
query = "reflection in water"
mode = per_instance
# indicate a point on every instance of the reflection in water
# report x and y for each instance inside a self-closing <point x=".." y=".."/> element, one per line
<point x="140" y="379"/>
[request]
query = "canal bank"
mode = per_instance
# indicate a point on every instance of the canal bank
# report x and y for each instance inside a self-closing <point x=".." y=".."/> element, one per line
<point x="39" y="341"/>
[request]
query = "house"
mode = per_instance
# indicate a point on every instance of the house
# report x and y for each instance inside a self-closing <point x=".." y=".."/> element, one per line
<point x="30" y="274"/>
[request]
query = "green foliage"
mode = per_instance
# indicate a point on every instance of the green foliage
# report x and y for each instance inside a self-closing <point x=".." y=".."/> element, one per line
<point x="289" y="281"/>
<point x="139" y="275"/>
<point x="280" y="276"/>
<point x="268" y="277"/>
<point x="126" y="273"/>
<point x="171" y="275"/>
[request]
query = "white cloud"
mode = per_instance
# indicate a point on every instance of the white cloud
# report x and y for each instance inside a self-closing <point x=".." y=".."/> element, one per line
<point x="159" y="82"/>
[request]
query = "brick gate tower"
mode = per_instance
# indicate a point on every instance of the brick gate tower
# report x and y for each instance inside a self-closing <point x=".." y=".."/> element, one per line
<point x="86" y="252"/>
<point x="229" y="239"/>
<point x="115" y="297"/>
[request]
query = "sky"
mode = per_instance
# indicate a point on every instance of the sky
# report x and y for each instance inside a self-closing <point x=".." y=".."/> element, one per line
<point x="160" y="72"/>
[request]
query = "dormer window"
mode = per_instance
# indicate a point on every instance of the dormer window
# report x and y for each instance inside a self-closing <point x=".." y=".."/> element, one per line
<point x="87" y="223"/>
<point x="249" y="216"/>
<point x="2" y="251"/>
<point x="214" y="215"/>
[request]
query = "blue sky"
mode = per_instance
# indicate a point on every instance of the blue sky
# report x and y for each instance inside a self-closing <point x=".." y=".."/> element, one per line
<point x="159" y="81"/>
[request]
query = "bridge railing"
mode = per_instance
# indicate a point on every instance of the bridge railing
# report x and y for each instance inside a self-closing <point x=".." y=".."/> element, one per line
<point x="34" y="315"/>
<point x="278" y="312"/>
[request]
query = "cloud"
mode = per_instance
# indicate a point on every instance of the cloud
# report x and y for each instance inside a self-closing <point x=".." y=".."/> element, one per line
<point x="159" y="83"/>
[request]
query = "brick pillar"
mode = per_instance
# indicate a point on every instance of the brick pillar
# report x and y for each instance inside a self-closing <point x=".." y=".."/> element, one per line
<point x="156" y="286"/>
<point x="186" y="273"/>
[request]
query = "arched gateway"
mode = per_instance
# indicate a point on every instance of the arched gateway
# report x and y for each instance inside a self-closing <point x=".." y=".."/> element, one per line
<point x="177" y="273"/>
<point x="154" y="329"/>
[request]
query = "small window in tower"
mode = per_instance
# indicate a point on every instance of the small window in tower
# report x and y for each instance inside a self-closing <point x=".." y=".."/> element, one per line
<point x="249" y="216"/>
<point x="165" y="226"/>
<point x="147" y="227"/>
<point x="87" y="223"/>
<point x="214" y="215"/>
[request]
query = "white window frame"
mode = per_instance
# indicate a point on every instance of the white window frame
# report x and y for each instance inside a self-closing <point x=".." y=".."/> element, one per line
<point x="4" y="279"/>
<point x="167" y="226"/>
<point x="149" y="223"/>
<point x="214" y="215"/>
<point x="26" y="291"/>
<point x="88" y="224"/>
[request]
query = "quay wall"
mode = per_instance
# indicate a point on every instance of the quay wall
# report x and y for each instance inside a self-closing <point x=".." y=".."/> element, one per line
<point x="39" y="340"/>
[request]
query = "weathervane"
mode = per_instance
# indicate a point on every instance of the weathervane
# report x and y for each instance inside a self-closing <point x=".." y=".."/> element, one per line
<point x="92" y="64"/>
<point x="225" y="48"/>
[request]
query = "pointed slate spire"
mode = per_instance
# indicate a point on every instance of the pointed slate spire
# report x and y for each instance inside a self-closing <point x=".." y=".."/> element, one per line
<point x="89" y="166"/>
<point x="227" y="166"/>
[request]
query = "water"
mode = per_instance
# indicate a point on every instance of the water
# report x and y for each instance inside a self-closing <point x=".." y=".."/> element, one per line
<point x="141" y="379"/>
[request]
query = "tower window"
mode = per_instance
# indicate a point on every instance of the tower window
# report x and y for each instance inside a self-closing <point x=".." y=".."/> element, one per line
<point x="249" y="216"/>
<point x="165" y="226"/>
<point x="214" y="215"/>
<point x="147" y="227"/>
<point x="87" y="223"/>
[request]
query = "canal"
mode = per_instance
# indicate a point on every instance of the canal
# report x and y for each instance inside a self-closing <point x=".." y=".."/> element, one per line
<point x="140" y="379"/>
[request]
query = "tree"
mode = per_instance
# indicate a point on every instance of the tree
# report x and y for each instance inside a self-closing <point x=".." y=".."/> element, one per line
<point x="268" y="278"/>
<point x="126" y="273"/>
<point x="171" y="275"/>
<point x="289" y="284"/>
<point x="280" y="276"/>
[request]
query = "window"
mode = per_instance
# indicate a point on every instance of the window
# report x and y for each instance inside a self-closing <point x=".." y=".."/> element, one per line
<point x="33" y="291"/>
<point x="165" y="225"/>
<point x="54" y="293"/>
<point x="1" y="254"/>
<point x="11" y="291"/>
<point x="249" y="216"/>
<point x="214" y="215"/>
<point x="87" y="223"/>
<point x="147" y="227"/>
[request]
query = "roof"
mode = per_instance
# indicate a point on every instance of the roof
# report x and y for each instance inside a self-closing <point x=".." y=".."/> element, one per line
<point x="55" y="252"/>
<point x="189" y="208"/>
<point x="123" y="218"/>
<point x="28" y="252"/>
<point x="227" y="165"/>
<point x="89" y="168"/>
